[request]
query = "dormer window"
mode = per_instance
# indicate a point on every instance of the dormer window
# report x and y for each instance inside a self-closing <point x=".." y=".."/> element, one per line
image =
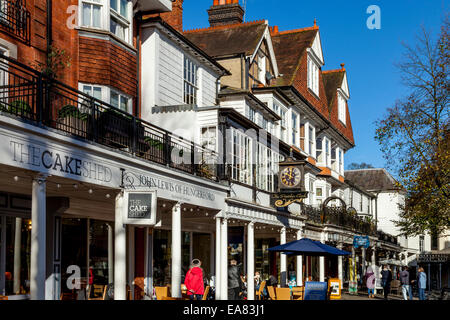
<point x="313" y="76"/>
<point x="262" y="68"/>
<point x="342" y="103"/>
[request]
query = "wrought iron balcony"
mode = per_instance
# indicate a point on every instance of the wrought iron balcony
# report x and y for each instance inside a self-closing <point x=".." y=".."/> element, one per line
<point x="27" y="94"/>
<point x="15" y="19"/>
<point x="339" y="217"/>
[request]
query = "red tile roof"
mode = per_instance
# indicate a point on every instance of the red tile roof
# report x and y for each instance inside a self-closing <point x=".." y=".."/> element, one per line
<point x="228" y="40"/>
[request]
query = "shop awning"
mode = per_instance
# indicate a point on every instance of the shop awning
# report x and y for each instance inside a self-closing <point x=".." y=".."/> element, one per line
<point x="308" y="247"/>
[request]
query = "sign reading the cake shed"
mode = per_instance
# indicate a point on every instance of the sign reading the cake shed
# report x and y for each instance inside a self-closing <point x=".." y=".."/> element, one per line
<point x="140" y="208"/>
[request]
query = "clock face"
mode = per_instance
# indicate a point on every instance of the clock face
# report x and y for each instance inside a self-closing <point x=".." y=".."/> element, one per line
<point x="291" y="177"/>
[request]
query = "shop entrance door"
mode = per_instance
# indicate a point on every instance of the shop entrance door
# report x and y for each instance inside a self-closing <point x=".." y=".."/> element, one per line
<point x="139" y="263"/>
<point x="202" y="250"/>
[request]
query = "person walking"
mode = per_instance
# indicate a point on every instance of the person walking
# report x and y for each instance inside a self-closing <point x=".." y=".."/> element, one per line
<point x="370" y="282"/>
<point x="386" y="278"/>
<point x="194" y="281"/>
<point x="422" y="283"/>
<point x="406" y="287"/>
<point x="234" y="279"/>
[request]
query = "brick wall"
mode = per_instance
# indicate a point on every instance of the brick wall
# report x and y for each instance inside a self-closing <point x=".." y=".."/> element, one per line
<point x="102" y="62"/>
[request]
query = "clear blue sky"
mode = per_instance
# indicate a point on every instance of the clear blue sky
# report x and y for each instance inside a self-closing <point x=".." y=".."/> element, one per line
<point x="369" y="55"/>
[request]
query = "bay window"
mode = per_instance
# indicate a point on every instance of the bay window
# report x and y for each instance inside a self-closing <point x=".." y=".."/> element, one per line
<point x="115" y="16"/>
<point x="120" y="101"/>
<point x="113" y="97"/>
<point x="251" y="114"/>
<point x="266" y="168"/>
<point x="327" y="152"/>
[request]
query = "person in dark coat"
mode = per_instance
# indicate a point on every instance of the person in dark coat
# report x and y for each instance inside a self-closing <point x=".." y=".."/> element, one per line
<point x="234" y="281"/>
<point x="386" y="278"/>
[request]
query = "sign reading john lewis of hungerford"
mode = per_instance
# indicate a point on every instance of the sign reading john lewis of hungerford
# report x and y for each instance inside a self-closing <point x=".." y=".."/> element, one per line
<point x="140" y="208"/>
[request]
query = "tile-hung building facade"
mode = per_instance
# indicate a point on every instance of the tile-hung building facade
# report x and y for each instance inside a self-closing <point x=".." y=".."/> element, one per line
<point x="201" y="117"/>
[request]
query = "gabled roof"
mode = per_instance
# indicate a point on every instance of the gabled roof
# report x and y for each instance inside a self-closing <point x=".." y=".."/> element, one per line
<point x="228" y="40"/>
<point x="289" y="47"/>
<point x="333" y="80"/>
<point x="372" y="179"/>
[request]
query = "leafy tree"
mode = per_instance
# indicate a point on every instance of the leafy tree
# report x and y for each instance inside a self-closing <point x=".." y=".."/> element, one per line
<point x="414" y="136"/>
<point x="358" y="166"/>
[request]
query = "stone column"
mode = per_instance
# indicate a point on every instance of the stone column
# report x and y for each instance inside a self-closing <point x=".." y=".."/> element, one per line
<point x="120" y="252"/>
<point x="251" y="261"/>
<point x="218" y="257"/>
<point x="17" y="251"/>
<point x="38" y="238"/>
<point x="176" y="251"/>
<point x="224" y="260"/>
<point x="299" y="262"/>
<point x="283" y="260"/>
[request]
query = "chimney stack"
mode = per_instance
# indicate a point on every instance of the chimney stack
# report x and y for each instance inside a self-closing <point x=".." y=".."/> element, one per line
<point x="175" y="17"/>
<point x="225" y="12"/>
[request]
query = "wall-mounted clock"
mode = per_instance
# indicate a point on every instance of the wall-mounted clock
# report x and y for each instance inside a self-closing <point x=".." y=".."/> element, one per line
<point x="290" y="177"/>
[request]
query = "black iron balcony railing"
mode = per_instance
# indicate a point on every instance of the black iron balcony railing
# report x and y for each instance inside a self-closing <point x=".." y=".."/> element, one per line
<point x="338" y="217"/>
<point x="29" y="95"/>
<point x="15" y="19"/>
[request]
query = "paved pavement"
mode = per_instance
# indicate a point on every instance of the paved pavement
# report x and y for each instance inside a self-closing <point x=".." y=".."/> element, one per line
<point x="364" y="297"/>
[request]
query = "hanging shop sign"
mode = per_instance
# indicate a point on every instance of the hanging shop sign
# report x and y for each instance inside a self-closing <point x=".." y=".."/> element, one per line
<point x="291" y="184"/>
<point x="334" y="288"/>
<point x="316" y="291"/>
<point x="140" y="208"/>
<point x="359" y="241"/>
<point x="433" y="258"/>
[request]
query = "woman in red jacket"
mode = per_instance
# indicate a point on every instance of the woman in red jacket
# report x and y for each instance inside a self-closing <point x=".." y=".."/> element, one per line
<point x="194" y="281"/>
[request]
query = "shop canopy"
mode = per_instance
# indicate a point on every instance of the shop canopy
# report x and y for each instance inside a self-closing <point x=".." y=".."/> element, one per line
<point x="308" y="247"/>
<point x="392" y="262"/>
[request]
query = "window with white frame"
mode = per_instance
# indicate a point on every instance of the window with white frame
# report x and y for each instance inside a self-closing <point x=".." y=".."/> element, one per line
<point x="319" y="196"/>
<point x="313" y="76"/>
<point x="92" y="13"/>
<point x="327" y="152"/>
<point x="283" y="133"/>
<point x="209" y="138"/>
<point x="266" y="168"/>
<point x="111" y="96"/>
<point x="311" y="140"/>
<point x="251" y="114"/>
<point x="120" y="101"/>
<point x="265" y="124"/>
<point x="342" y="104"/>
<point x="311" y="192"/>
<point x="241" y="166"/>
<point x="120" y="20"/>
<point x="295" y="134"/>
<point x="319" y="151"/>
<point x="262" y="68"/>
<point x="190" y="81"/>
<point x="341" y="162"/>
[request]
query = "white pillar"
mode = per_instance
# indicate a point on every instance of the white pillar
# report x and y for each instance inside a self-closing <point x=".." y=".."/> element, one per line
<point x="283" y="260"/>
<point x="176" y="251"/>
<point x="218" y="257"/>
<point x="224" y="260"/>
<point x="110" y="253"/>
<point x="38" y="239"/>
<point x="322" y="260"/>
<point x="17" y="250"/>
<point x="299" y="263"/>
<point x="251" y="261"/>
<point x="120" y="252"/>
<point x="374" y="266"/>
<point x="340" y="266"/>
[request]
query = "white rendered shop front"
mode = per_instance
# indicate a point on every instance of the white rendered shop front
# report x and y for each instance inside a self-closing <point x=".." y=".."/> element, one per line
<point x="51" y="183"/>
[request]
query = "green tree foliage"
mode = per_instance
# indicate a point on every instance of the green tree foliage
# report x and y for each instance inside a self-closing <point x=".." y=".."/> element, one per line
<point x="414" y="136"/>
